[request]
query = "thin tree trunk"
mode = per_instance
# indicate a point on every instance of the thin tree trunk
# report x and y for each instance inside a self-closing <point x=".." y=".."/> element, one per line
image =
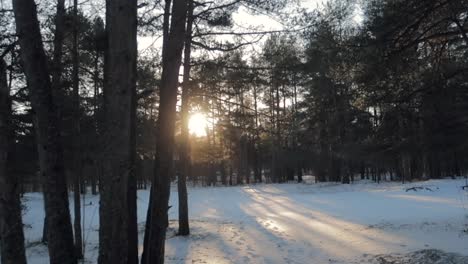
<point x="299" y="172"/>
<point x="277" y="176"/>
<point x="118" y="194"/>
<point x="44" y="231"/>
<point x="59" y="231"/>
<point x="76" y="171"/>
<point x="146" y="239"/>
<point x="184" y="228"/>
<point x="230" y="174"/>
<point x="295" y="133"/>
<point x="58" y="48"/>
<point x="97" y="166"/>
<point x="132" y="180"/>
<point x="11" y="224"/>
<point x="257" y="169"/>
<point x="148" y="222"/>
<point x="172" y="53"/>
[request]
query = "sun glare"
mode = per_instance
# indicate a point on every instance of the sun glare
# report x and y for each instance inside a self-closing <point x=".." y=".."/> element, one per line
<point x="198" y="124"/>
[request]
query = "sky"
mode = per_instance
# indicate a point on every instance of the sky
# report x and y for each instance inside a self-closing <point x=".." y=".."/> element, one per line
<point x="242" y="18"/>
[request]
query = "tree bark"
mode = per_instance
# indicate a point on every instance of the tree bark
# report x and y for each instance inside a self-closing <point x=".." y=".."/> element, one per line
<point x="132" y="180"/>
<point x="56" y="71"/>
<point x="257" y="163"/>
<point x="44" y="231"/>
<point x="58" y="48"/>
<point x="172" y="53"/>
<point x="59" y="231"/>
<point x="277" y="168"/>
<point x="184" y="228"/>
<point x="118" y="195"/>
<point x="76" y="168"/>
<point x="97" y="103"/>
<point x="11" y="225"/>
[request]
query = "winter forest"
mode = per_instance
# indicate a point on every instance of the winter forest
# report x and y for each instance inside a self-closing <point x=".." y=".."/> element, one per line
<point x="234" y="131"/>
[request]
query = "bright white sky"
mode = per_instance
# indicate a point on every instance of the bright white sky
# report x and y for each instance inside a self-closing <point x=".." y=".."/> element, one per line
<point x="242" y="19"/>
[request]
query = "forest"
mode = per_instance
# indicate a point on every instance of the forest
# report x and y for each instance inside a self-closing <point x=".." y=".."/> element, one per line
<point x="132" y="130"/>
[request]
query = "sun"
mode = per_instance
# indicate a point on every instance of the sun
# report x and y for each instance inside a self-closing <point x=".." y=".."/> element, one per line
<point x="197" y="124"/>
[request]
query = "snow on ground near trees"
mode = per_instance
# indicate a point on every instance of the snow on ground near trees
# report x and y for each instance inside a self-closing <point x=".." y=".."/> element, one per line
<point x="294" y="223"/>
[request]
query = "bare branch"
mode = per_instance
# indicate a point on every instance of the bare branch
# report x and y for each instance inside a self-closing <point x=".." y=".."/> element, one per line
<point x="221" y="48"/>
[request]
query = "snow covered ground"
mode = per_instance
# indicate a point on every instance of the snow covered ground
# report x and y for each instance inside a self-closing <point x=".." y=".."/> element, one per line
<point x="294" y="223"/>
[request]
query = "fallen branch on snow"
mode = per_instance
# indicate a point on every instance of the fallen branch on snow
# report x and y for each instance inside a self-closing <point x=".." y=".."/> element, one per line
<point x="416" y="188"/>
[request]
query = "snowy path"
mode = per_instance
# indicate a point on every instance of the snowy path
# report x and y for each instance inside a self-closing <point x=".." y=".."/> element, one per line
<point x="298" y="223"/>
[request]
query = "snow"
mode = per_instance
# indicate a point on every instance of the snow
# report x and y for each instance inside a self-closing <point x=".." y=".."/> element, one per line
<point x="293" y="223"/>
<point x="425" y="256"/>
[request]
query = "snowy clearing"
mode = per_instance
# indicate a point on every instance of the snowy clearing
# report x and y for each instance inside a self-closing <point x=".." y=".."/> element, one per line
<point x="295" y="223"/>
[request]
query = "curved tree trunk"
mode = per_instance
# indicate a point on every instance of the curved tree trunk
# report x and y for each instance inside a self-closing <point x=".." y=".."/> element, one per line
<point x="59" y="231"/>
<point x="172" y="53"/>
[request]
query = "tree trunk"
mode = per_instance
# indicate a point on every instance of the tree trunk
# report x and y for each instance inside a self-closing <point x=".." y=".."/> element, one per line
<point x="222" y="169"/>
<point x="60" y="234"/>
<point x="148" y="221"/>
<point x="278" y="176"/>
<point x="184" y="228"/>
<point x="299" y="172"/>
<point x="58" y="48"/>
<point x="172" y="53"/>
<point x="11" y="224"/>
<point x="96" y="103"/>
<point x="118" y="194"/>
<point x="93" y="180"/>
<point x="56" y="72"/>
<point x="132" y="180"/>
<point x="76" y="154"/>
<point x="145" y="254"/>
<point x="230" y="174"/>
<point x="44" y="230"/>
<point x="257" y="165"/>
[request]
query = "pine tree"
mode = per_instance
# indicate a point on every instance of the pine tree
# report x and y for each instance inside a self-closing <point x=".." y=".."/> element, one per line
<point x="11" y="224"/>
<point x="118" y="227"/>
<point x="59" y="231"/>
<point x="174" y="34"/>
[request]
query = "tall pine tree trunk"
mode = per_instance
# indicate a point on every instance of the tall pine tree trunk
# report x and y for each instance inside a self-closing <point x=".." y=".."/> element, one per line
<point x="184" y="228"/>
<point x="132" y="229"/>
<point x="276" y="167"/>
<point x="172" y="53"/>
<point x="76" y="155"/>
<point x="11" y="224"/>
<point x="118" y="195"/>
<point x="59" y="231"/>
<point x="96" y="103"/>
<point x="56" y="71"/>
<point x="257" y="162"/>
<point x="58" y="49"/>
<point x="148" y="223"/>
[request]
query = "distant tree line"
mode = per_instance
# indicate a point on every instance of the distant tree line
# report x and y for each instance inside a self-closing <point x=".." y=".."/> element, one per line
<point x="377" y="94"/>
